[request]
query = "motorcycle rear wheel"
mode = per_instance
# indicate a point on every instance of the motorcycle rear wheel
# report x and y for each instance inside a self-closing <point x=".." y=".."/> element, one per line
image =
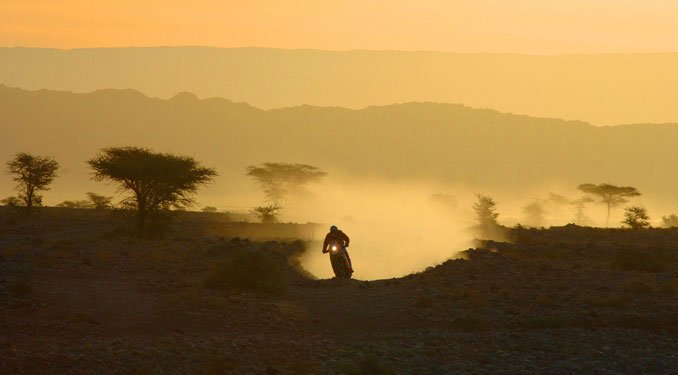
<point x="340" y="266"/>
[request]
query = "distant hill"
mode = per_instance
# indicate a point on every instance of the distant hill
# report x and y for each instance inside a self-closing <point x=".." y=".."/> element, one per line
<point x="604" y="89"/>
<point x="435" y="142"/>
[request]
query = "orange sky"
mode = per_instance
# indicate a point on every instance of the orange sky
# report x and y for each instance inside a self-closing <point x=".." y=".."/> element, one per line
<point x="527" y="26"/>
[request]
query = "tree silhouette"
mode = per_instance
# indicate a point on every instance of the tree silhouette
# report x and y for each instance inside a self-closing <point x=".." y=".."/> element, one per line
<point x="670" y="221"/>
<point x="534" y="214"/>
<point x="610" y="195"/>
<point x="636" y="217"/>
<point x="155" y="180"/>
<point x="32" y="174"/>
<point x="580" y="217"/>
<point x="486" y="215"/>
<point x="11" y="202"/>
<point x="279" y="180"/>
<point x="75" y="204"/>
<point x="100" y="202"/>
<point x="267" y="214"/>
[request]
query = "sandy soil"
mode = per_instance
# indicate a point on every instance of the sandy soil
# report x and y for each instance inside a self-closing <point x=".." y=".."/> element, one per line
<point x="75" y="297"/>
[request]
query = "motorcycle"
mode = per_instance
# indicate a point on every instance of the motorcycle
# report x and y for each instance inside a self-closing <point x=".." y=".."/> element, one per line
<point x="339" y="260"/>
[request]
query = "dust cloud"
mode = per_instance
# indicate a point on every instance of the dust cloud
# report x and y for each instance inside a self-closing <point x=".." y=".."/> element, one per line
<point x="395" y="228"/>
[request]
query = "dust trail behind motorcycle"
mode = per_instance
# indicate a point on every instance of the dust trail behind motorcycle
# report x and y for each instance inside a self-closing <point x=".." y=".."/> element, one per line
<point x="395" y="228"/>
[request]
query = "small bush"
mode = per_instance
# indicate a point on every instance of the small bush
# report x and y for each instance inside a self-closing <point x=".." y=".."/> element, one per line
<point x="247" y="269"/>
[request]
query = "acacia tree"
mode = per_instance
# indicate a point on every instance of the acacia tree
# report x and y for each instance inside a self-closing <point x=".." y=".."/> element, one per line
<point x="154" y="180"/>
<point x="32" y="174"/>
<point x="636" y="217"/>
<point x="279" y="180"/>
<point x="610" y="195"/>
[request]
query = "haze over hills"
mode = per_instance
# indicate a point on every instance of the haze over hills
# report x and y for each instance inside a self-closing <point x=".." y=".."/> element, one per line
<point x="603" y="89"/>
<point x="451" y="144"/>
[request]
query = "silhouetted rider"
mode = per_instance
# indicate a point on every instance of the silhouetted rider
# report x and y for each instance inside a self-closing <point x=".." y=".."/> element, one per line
<point x="335" y="235"/>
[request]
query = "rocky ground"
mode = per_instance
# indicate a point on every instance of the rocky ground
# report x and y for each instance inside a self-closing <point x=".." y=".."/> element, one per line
<point x="77" y="296"/>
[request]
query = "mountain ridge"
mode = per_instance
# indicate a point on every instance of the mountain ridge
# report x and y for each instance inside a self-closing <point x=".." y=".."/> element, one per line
<point x="215" y="99"/>
<point x="601" y="89"/>
<point x="451" y="144"/>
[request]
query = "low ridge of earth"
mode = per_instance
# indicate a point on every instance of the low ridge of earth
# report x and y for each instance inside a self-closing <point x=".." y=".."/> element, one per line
<point x="76" y="297"/>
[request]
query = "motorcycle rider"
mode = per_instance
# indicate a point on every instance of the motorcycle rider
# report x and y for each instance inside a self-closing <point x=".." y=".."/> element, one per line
<point x="337" y="235"/>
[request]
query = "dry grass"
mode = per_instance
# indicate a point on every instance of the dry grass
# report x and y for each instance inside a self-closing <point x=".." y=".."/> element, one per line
<point x="544" y="322"/>
<point x="64" y="249"/>
<point x="423" y="301"/>
<point x="640" y="260"/>
<point x="85" y="318"/>
<point x="609" y="301"/>
<point x="669" y="287"/>
<point x="106" y="256"/>
<point x="472" y="323"/>
<point x="638" y="287"/>
<point x="20" y="289"/>
<point x="16" y="251"/>
<point x="368" y="365"/>
<point x="472" y="296"/>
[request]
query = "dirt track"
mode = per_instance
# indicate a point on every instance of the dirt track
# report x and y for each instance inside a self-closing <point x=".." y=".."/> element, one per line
<point x="75" y="299"/>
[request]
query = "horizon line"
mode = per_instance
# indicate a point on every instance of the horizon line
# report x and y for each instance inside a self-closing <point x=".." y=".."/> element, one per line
<point x="540" y="54"/>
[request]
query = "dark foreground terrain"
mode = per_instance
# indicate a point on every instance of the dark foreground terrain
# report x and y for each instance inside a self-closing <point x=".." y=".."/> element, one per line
<point x="77" y="297"/>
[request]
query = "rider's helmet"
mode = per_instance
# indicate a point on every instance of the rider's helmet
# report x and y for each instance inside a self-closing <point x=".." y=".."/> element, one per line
<point x="333" y="228"/>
